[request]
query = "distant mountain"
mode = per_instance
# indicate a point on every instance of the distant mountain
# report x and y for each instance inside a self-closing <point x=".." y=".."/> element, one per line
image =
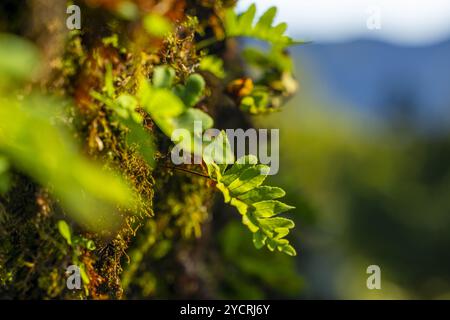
<point x="381" y="78"/>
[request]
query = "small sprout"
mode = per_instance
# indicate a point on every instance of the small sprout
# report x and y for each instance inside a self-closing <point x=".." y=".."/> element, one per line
<point x="64" y="230"/>
<point x="83" y="274"/>
<point x="90" y="245"/>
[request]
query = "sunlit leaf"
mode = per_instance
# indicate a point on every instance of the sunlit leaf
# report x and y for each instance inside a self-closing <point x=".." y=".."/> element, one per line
<point x="262" y="193"/>
<point x="88" y="193"/>
<point x="270" y="208"/>
<point x="65" y="231"/>
<point x="162" y="103"/>
<point x="163" y="77"/>
<point x="19" y="59"/>
<point x="156" y="25"/>
<point x="191" y="92"/>
<point x="244" y="26"/>
<point x="241" y="188"/>
<point x="213" y="65"/>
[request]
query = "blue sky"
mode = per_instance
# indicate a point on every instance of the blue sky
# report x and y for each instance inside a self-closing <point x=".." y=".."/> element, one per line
<point x="407" y="22"/>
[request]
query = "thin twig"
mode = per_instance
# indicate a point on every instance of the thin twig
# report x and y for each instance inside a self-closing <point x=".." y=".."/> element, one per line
<point x="188" y="171"/>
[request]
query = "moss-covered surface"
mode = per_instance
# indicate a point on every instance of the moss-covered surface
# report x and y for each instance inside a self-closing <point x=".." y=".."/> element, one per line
<point x="164" y="247"/>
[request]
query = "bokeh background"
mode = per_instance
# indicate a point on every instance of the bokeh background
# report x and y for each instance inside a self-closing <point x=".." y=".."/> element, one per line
<point x="365" y="147"/>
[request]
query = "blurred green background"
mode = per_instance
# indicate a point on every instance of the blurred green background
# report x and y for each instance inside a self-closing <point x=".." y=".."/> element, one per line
<point x="365" y="157"/>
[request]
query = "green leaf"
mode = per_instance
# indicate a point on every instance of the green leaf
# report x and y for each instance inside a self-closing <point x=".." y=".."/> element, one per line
<point x="231" y="22"/>
<point x="109" y="81"/>
<point x="279" y="29"/>
<point x="90" y="245"/>
<point x="157" y="25"/>
<point x="86" y="243"/>
<point x="190" y="116"/>
<point x="83" y="274"/>
<point x="213" y="65"/>
<point x="162" y="103"/>
<point x="241" y="188"/>
<point x="219" y="152"/>
<point x="163" y="77"/>
<point x="259" y="239"/>
<point x="240" y="184"/>
<point x="87" y="192"/>
<point x="171" y="109"/>
<point x="267" y="18"/>
<point x="19" y="59"/>
<point x="270" y="208"/>
<point x="126" y="106"/>
<point x="243" y="26"/>
<point x="289" y="250"/>
<point x="250" y="221"/>
<point x="188" y="121"/>
<point x="262" y="193"/>
<point x="276" y="223"/>
<point x="64" y="230"/>
<point x="271" y="244"/>
<point x="127" y="102"/>
<point x="192" y="91"/>
<point x="240" y="166"/>
<point x="249" y="179"/>
<point x="282" y="232"/>
<point x="144" y="91"/>
<point x="245" y="20"/>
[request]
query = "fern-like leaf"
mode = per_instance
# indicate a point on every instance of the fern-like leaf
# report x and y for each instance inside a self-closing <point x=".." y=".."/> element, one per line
<point x="241" y="186"/>
<point x="243" y="26"/>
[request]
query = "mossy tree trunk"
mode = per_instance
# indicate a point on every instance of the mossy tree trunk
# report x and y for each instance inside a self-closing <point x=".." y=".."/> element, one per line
<point x="175" y="240"/>
<point x="163" y="249"/>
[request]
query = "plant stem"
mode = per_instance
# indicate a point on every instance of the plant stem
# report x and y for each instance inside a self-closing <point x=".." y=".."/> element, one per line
<point x="188" y="171"/>
<point x="206" y="43"/>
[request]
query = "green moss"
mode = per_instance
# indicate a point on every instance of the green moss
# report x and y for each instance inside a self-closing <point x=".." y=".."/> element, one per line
<point x="171" y="219"/>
